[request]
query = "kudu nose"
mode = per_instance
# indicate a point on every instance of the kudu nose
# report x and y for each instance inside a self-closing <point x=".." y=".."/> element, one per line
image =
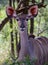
<point x="22" y="25"/>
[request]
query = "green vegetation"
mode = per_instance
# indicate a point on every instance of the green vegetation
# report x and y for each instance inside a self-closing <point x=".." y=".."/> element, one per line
<point x="40" y="28"/>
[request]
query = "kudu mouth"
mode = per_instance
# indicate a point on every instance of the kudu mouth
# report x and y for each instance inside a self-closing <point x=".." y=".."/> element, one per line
<point x="22" y="29"/>
<point x="22" y="26"/>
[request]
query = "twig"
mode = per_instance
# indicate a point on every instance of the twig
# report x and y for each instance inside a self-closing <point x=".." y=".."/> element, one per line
<point x="42" y="31"/>
<point x="4" y="22"/>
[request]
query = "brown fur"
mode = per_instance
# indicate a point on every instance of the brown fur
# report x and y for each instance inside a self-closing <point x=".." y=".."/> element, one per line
<point x="42" y="46"/>
<point x="40" y="50"/>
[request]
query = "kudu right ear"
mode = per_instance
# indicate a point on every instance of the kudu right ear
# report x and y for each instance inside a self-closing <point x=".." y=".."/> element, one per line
<point x="33" y="11"/>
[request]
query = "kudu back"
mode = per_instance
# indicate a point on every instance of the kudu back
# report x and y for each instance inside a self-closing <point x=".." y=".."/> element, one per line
<point x="40" y="45"/>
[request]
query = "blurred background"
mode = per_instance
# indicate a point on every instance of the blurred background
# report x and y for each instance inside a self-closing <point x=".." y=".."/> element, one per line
<point x="6" y="44"/>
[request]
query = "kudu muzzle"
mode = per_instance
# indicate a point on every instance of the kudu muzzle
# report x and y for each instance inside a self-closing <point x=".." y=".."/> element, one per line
<point x="22" y="26"/>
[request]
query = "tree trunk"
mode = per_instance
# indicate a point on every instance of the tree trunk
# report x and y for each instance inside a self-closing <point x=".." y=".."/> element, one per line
<point x="31" y="26"/>
<point x="11" y="26"/>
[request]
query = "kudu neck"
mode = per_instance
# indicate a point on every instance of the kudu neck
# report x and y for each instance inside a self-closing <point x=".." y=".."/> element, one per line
<point x="24" y="38"/>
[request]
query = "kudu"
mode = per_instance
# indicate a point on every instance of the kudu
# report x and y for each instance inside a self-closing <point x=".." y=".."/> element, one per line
<point x="35" y="48"/>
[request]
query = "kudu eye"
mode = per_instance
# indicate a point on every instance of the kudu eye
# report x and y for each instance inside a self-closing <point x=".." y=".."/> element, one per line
<point x="17" y="19"/>
<point x="26" y="19"/>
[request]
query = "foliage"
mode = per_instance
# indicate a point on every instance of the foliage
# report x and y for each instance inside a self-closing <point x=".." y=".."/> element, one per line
<point x="40" y="24"/>
<point x="3" y="3"/>
<point x="27" y="61"/>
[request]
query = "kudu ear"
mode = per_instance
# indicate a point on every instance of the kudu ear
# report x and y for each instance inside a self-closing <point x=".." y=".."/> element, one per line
<point x="33" y="11"/>
<point x="9" y="11"/>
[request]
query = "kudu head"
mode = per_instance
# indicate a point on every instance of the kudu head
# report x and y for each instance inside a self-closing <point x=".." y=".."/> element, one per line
<point x="21" y="17"/>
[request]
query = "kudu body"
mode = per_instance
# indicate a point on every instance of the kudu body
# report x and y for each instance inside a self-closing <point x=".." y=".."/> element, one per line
<point x="35" y="48"/>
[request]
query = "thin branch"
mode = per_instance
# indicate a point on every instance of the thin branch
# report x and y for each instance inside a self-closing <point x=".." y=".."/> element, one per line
<point x="42" y="31"/>
<point x="41" y="4"/>
<point x="19" y="4"/>
<point x="33" y="1"/>
<point x="17" y="1"/>
<point x="27" y="7"/>
<point x="4" y="22"/>
<point x="24" y="2"/>
<point x="42" y="1"/>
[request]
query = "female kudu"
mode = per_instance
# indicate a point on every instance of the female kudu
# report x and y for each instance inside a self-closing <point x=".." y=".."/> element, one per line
<point x="35" y="48"/>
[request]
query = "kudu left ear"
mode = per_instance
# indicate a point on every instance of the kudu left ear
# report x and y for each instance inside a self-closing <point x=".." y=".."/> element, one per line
<point x="33" y="11"/>
<point x="9" y="11"/>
